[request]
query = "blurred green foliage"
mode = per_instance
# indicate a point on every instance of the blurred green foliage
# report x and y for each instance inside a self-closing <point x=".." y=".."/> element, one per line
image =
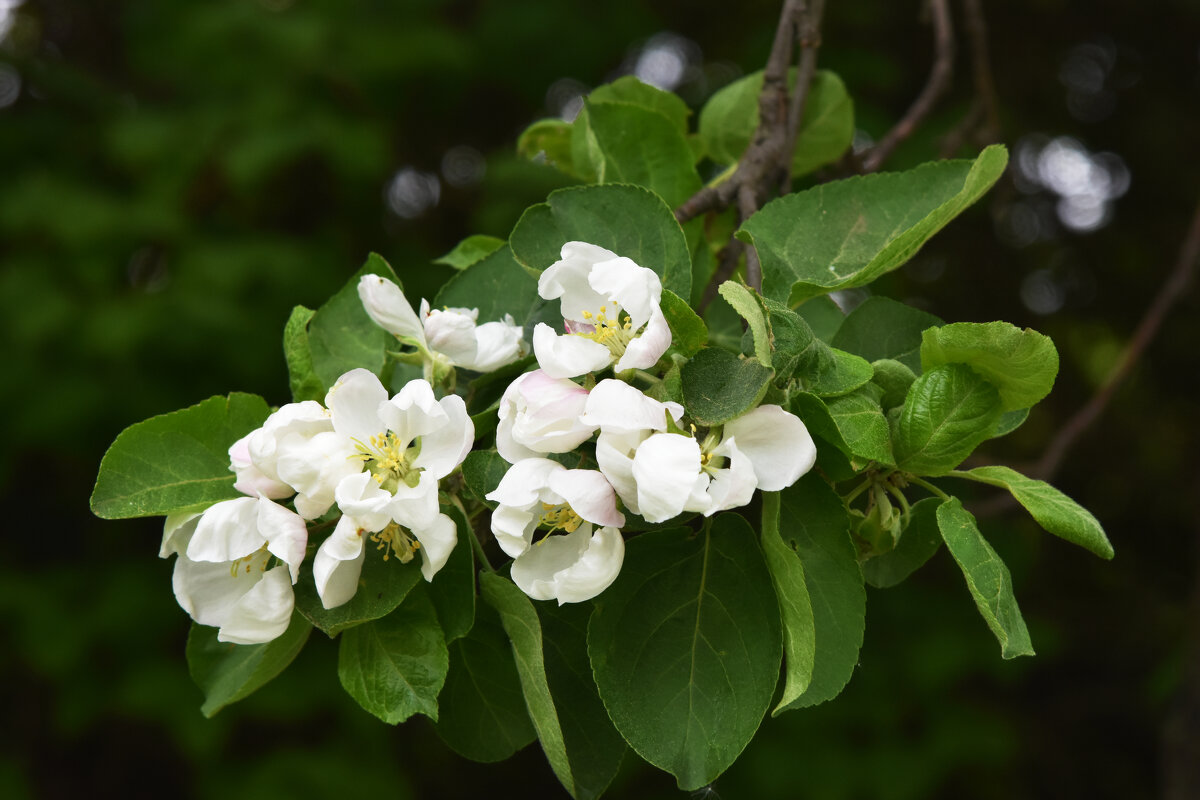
<point x="175" y="177"/>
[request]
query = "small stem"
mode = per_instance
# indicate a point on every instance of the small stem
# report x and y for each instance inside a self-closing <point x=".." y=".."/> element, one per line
<point x="856" y="491"/>
<point x="900" y="498"/>
<point x="475" y="543"/>
<point x="924" y="484"/>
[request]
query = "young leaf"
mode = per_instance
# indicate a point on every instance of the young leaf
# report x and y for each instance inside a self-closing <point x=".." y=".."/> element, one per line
<point x="342" y="337"/>
<point x="482" y="470"/>
<point x="453" y="589"/>
<point x="821" y="369"/>
<point x="948" y="412"/>
<point x="175" y="462"/>
<point x="628" y="220"/>
<point x="584" y="773"/>
<point x="633" y="145"/>
<point x="228" y="672"/>
<point x="748" y="308"/>
<point x="686" y="645"/>
<point x="382" y="587"/>
<point x="1022" y="364"/>
<point x="302" y="380"/>
<point x="918" y="542"/>
<point x="854" y="423"/>
<point x="470" y="250"/>
<point x="1053" y="510"/>
<point x="628" y="89"/>
<point x="895" y="379"/>
<point x="987" y="578"/>
<point x="730" y="117"/>
<point x="395" y="666"/>
<point x="496" y="285"/>
<point x="1010" y="421"/>
<point x="688" y="331"/>
<point x="795" y="606"/>
<point x="847" y="233"/>
<point x="482" y="713"/>
<point x="719" y="386"/>
<point x="814" y="527"/>
<point x="824" y="316"/>
<point x="552" y="137"/>
<point x="883" y="328"/>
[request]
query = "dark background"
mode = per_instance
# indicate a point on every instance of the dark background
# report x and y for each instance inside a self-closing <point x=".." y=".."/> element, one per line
<point x="174" y="177"/>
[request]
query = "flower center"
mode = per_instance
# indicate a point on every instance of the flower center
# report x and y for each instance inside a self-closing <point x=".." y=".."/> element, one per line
<point x="390" y="460"/>
<point x="395" y="540"/>
<point x="560" y="517"/>
<point x="614" y="333"/>
<point x="710" y="462"/>
<point x="246" y="564"/>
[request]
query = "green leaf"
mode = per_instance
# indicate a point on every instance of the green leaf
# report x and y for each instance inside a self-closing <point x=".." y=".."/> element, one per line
<point x="854" y="423"/>
<point x="552" y="137"/>
<point x="918" y="542"/>
<point x="633" y="145"/>
<point x="688" y="331"/>
<point x="470" y="250"/>
<point x="987" y="578"/>
<point x="628" y="220"/>
<point x="795" y="607"/>
<point x="228" y="672"/>
<point x="482" y="470"/>
<point x="395" y="666"/>
<point x="847" y="233"/>
<point x="895" y="379"/>
<point x="628" y="89"/>
<point x="744" y="302"/>
<point x="815" y="528"/>
<point x="304" y="383"/>
<point x="496" y="285"/>
<point x="342" y="337"/>
<point x="584" y="773"/>
<point x="948" y="412"/>
<point x="382" y="587"/>
<point x="820" y="369"/>
<point x="824" y="316"/>
<point x="175" y="462"/>
<point x="883" y="328"/>
<point x="453" y="588"/>
<point x="730" y="117"/>
<point x="1022" y="364"/>
<point x="1053" y="510"/>
<point x="1010" y="421"/>
<point x="482" y="713"/>
<point x="686" y="645"/>
<point x="719" y="386"/>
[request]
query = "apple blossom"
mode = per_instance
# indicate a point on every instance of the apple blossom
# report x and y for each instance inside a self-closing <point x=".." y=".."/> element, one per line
<point x="610" y="307"/>
<point x="573" y="567"/>
<point x="539" y="415"/>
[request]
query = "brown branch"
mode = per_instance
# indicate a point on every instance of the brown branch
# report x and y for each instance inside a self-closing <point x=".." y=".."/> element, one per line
<point x="938" y="83"/>
<point x="982" y="121"/>
<point x="1169" y="294"/>
<point x="727" y="261"/>
<point x="808" y="39"/>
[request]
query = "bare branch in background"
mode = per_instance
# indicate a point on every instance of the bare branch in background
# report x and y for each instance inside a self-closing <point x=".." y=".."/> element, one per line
<point x="935" y="87"/>
<point x="982" y="122"/>
<point x="808" y="39"/>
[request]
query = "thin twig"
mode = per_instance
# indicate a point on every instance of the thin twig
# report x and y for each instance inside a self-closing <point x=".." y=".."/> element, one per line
<point x="938" y="83"/>
<point x="727" y="261"/>
<point x="747" y="205"/>
<point x="1169" y="294"/>
<point x="808" y="39"/>
<point x="985" y="87"/>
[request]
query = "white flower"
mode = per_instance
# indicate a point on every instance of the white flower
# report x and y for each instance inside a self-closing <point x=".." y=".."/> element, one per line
<point x="223" y="576"/>
<point x="449" y="336"/>
<point x="766" y="448"/>
<point x="611" y="310"/>
<point x="539" y="415"/>
<point x="573" y="567"/>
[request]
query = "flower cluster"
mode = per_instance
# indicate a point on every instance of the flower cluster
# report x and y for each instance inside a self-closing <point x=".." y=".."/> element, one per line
<point x="587" y="449"/>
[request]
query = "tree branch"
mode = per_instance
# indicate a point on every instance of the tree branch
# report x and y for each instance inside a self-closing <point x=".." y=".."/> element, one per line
<point x="938" y="83"/>
<point x="983" y="119"/>
<point x="808" y="39"/>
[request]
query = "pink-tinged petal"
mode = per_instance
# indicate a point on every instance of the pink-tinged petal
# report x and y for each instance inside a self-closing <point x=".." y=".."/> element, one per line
<point x="261" y="614"/>
<point x="539" y="414"/>
<point x="732" y="486"/>
<point x="589" y="494"/>
<point x="635" y="289"/>
<point x="437" y="541"/>
<point x="614" y="455"/>
<point x="445" y="448"/>
<point x="665" y="467"/>
<point x="386" y="304"/>
<point x="354" y="403"/>
<point x="569" y="355"/>
<point x="513" y="528"/>
<point x="645" y="351"/>
<point x="507" y="446"/>
<point x="338" y="563"/>
<point x="777" y="444"/>
<point x="226" y="532"/>
<point x="524" y="481"/>
<point x="285" y="532"/>
<point x="571" y="568"/>
<point x="413" y="412"/>
<point x="615" y="406"/>
<point x="177" y="532"/>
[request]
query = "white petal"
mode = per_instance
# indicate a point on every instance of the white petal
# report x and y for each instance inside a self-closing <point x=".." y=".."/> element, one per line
<point x="251" y="480"/>
<point x="338" y="563"/>
<point x="777" y="444"/>
<point x="645" y="351"/>
<point x="354" y="403"/>
<point x="452" y="332"/>
<point x="571" y="568"/>
<point x="513" y="528"/>
<point x="177" y="532"/>
<point x="415" y="506"/>
<point x="567" y="279"/>
<point x="635" y="289"/>
<point x="569" y="355"/>
<point x="360" y="497"/>
<point x="386" y="304"/>
<point x="437" y="541"/>
<point x="445" y="448"/>
<point x="589" y="494"/>
<point x="413" y="412"/>
<point x="665" y="467"/>
<point x="227" y="531"/>
<point x="497" y="344"/>
<point x="614" y="455"/>
<point x="539" y="414"/>
<point x="315" y="466"/>
<point x="261" y="614"/>
<point x="732" y="486"/>
<point x="522" y="484"/>
<point x="615" y="406"/>
<point x="285" y="532"/>
<point x="207" y="590"/>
